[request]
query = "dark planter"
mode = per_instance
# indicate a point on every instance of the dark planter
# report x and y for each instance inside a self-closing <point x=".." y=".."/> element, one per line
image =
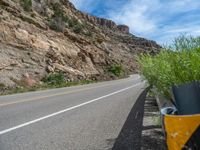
<point x="187" y="98"/>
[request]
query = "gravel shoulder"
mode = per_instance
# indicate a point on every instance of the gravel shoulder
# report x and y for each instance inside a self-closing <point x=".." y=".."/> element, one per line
<point x="152" y="133"/>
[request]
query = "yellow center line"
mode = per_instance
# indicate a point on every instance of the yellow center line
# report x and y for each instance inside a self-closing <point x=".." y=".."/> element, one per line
<point x="53" y="95"/>
<point x="39" y="98"/>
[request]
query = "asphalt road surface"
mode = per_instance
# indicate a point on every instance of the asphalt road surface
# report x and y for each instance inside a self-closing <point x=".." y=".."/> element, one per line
<point x="89" y="117"/>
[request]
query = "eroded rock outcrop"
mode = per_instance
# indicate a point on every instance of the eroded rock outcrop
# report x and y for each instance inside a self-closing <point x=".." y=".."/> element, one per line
<point x="123" y="28"/>
<point x="100" y="21"/>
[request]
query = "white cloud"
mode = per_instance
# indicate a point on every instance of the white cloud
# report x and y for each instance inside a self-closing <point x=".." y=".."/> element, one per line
<point x="182" y="5"/>
<point x="135" y="15"/>
<point x="159" y="20"/>
<point x="155" y="19"/>
<point x="85" y="5"/>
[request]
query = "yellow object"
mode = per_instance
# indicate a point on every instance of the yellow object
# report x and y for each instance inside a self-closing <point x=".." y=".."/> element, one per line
<point x="182" y="131"/>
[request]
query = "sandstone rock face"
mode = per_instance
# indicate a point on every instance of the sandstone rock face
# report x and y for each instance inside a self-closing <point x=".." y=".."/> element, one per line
<point x="100" y="21"/>
<point x="84" y="49"/>
<point x="123" y="28"/>
<point x="106" y="23"/>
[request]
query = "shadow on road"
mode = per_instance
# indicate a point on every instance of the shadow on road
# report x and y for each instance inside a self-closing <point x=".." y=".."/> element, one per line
<point x="130" y="135"/>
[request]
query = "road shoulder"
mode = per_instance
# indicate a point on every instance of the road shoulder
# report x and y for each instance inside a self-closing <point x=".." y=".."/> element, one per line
<point x="152" y="134"/>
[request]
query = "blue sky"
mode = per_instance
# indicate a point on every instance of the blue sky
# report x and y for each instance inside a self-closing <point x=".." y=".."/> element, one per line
<point x="159" y="20"/>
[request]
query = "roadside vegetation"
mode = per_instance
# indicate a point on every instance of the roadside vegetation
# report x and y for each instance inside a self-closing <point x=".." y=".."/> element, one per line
<point x="176" y="64"/>
<point x="51" y="81"/>
<point x="54" y="80"/>
<point x="57" y="80"/>
<point x="116" y="70"/>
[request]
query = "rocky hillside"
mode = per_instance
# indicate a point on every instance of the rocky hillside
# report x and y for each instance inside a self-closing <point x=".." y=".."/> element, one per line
<point x="39" y="37"/>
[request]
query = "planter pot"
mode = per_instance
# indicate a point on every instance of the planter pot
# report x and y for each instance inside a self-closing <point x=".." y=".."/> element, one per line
<point x="182" y="132"/>
<point x="167" y="111"/>
<point x="187" y="98"/>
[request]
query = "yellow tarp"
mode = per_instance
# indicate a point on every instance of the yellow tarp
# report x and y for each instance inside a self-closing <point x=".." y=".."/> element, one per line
<point x="179" y="130"/>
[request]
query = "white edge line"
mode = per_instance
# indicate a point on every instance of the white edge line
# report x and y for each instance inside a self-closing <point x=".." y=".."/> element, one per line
<point x="65" y="110"/>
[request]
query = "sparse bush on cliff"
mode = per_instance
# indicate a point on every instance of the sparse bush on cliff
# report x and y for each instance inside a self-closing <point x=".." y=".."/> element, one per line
<point x="88" y="33"/>
<point x="2" y="86"/>
<point x="54" y="79"/>
<point x="75" y="25"/>
<point x="57" y="22"/>
<point x="78" y="28"/>
<point x="26" y="4"/>
<point x="117" y="70"/>
<point x="177" y="65"/>
<point x="72" y="22"/>
<point x="58" y="12"/>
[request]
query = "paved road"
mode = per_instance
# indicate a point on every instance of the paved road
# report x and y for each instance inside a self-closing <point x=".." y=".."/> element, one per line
<point x="88" y="117"/>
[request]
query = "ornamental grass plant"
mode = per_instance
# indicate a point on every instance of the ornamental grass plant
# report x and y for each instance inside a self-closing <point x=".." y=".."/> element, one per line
<point x="176" y="64"/>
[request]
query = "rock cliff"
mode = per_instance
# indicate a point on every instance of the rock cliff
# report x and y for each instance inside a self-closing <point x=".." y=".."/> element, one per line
<point x="38" y="37"/>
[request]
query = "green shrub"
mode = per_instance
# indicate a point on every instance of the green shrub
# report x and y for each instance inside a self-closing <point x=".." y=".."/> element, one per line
<point x="26" y="4"/>
<point x="174" y="66"/>
<point x="88" y="33"/>
<point x="54" y="79"/>
<point x="58" y="20"/>
<point x="72" y="22"/>
<point x="78" y="28"/>
<point x="75" y="25"/>
<point x="2" y="86"/>
<point x="117" y="70"/>
<point x="59" y="12"/>
<point x="57" y="24"/>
